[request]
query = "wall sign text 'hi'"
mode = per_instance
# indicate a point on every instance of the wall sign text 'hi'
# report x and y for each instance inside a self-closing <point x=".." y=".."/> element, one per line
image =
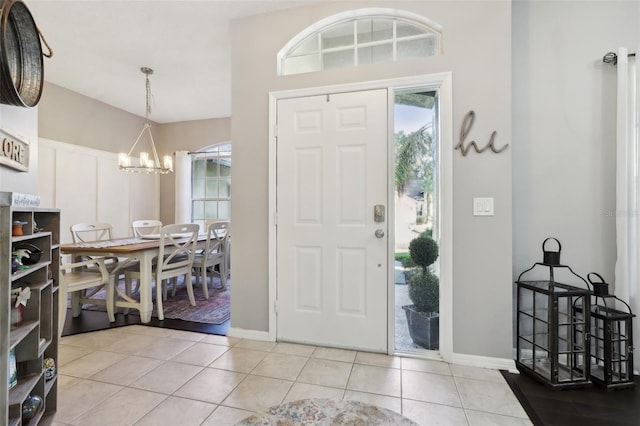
<point x="467" y="124"/>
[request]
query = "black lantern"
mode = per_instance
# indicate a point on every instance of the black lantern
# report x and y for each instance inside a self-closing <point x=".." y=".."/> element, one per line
<point x="552" y="323"/>
<point x="611" y="338"/>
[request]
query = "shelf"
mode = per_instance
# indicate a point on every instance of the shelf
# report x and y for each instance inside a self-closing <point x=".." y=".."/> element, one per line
<point x="25" y="385"/>
<point x="17" y="334"/>
<point x="37" y="336"/>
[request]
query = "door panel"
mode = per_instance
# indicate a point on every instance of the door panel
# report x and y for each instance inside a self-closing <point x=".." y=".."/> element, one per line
<point x="331" y="172"/>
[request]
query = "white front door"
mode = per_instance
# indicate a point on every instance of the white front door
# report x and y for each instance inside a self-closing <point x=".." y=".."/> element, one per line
<point x="331" y="175"/>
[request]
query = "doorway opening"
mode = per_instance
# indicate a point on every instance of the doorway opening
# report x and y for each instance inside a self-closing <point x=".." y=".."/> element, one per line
<point x="417" y="221"/>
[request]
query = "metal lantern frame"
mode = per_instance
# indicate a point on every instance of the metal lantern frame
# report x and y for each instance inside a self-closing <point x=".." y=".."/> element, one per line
<point x="611" y="338"/>
<point x="552" y="326"/>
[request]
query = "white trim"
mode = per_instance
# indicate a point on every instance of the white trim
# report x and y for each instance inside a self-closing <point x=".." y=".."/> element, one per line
<point x="442" y="80"/>
<point x="485" y="362"/>
<point x="243" y="333"/>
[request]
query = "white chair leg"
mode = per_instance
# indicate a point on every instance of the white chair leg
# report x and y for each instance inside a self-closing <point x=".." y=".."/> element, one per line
<point x="205" y="287"/>
<point x="110" y="300"/>
<point x="63" y="299"/>
<point x="159" y="293"/>
<point x="223" y="275"/>
<point x="76" y="305"/>
<point x="192" y="299"/>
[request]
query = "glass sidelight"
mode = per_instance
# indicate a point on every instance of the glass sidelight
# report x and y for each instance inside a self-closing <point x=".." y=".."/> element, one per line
<point x="416" y="220"/>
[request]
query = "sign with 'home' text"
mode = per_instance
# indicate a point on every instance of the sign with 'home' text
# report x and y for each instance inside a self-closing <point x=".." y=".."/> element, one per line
<point x="14" y="152"/>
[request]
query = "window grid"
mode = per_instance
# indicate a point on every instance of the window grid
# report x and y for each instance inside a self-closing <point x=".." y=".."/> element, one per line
<point x="317" y="60"/>
<point x="211" y="185"/>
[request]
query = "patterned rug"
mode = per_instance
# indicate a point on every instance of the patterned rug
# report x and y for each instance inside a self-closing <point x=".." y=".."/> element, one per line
<point x="216" y="310"/>
<point x="325" y="412"/>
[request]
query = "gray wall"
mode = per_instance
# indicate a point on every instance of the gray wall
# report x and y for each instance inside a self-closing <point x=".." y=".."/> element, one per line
<point x="564" y="119"/>
<point x="477" y="50"/>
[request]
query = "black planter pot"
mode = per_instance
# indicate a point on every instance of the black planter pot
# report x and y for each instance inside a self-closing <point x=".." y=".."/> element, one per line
<point x="424" y="327"/>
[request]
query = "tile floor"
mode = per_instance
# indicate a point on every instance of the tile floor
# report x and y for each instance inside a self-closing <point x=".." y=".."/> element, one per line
<point x="140" y="375"/>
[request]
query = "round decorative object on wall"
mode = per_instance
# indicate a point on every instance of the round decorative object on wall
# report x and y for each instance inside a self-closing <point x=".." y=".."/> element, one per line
<point x="21" y="63"/>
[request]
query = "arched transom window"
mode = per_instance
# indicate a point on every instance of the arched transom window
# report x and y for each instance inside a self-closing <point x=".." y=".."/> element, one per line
<point x="365" y="36"/>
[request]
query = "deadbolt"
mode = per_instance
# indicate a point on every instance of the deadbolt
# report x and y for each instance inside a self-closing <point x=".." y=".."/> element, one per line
<point x="379" y="233"/>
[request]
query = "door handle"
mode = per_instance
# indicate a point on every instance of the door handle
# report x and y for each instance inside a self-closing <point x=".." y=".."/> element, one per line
<point x="379" y="233"/>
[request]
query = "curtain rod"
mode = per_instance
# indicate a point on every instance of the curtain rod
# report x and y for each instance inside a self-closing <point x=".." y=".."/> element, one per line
<point x="612" y="58"/>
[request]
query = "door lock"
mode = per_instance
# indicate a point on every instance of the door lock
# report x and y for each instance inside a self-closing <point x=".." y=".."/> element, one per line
<point x="378" y="213"/>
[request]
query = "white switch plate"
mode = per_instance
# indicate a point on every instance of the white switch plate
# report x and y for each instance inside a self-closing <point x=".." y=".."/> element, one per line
<point x="483" y="206"/>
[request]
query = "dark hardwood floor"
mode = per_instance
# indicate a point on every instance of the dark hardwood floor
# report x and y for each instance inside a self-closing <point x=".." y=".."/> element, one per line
<point x="587" y="406"/>
<point x="97" y="320"/>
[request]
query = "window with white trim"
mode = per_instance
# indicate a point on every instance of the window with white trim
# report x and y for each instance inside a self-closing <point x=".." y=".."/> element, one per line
<point x="365" y="38"/>
<point x="211" y="184"/>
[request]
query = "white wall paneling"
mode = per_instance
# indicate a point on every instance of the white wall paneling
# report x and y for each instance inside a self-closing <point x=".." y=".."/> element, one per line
<point x="87" y="186"/>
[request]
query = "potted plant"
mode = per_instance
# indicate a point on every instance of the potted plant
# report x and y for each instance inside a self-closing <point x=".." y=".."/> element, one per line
<point x="424" y="291"/>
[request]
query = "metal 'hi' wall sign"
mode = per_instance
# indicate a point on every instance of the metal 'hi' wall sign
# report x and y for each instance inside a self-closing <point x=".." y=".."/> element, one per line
<point x="467" y="124"/>
<point x="15" y="151"/>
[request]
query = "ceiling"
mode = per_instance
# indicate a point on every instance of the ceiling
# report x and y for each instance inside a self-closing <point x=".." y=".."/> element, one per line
<point x="99" y="46"/>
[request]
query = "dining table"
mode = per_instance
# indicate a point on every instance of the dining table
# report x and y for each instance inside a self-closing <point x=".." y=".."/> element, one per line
<point x="128" y="250"/>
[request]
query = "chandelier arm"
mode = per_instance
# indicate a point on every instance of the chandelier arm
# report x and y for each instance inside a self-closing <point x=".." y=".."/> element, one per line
<point x="153" y="147"/>
<point x="137" y="140"/>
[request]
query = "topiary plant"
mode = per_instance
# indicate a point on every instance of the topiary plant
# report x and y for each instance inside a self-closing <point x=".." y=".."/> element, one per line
<point x="424" y="288"/>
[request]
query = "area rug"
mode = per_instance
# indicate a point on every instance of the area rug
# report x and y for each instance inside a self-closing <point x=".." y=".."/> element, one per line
<point x="325" y="412"/>
<point x="215" y="310"/>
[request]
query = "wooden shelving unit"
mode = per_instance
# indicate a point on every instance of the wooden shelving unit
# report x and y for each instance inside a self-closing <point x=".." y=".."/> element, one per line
<point x="36" y="337"/>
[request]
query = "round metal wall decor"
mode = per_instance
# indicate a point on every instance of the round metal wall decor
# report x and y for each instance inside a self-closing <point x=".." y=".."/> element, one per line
<point x="21" y="63"/>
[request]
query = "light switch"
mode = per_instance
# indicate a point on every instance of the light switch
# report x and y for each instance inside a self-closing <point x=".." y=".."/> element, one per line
<point x="483" y="206"/>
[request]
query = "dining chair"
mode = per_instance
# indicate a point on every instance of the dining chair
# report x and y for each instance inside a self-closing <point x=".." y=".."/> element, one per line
<point x="146" y="226"/>
<point x="175" y="259"/>
<point x="75" y="279"/>
<point x="214" y="253"/>
<point x="101" y="231"/>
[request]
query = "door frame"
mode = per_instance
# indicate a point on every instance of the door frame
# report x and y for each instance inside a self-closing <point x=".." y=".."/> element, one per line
<point x="445" y="169"/>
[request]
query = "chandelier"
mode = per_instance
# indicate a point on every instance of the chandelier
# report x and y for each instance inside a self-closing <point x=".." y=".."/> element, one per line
<point x="144" y="163"/>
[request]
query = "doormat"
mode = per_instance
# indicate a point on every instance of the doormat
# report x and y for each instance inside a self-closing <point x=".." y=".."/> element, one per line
<point x="215" y="310"/>
<point x="326" y="412"/>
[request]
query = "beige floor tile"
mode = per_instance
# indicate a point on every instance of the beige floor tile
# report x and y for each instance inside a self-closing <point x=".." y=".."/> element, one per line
<point x="68" y="353"/>
<point x="305" y="391"/>
<point x="477" y="373"/>
<point x="131" y="344"/>
<point x="294" y="349"/>
<point x="491" y="397"/>
<point x="167" y="377"/>
<point x="123" y="408"/>
<point x="388" y="402"/>
<point x="238" y="359"/>
<point x="335" y="354"/>
<point x="428" y="387"/>
<point x="428" y="414"/>
<point x="280" y="366"/>
<point x="77" y="396"/>
<point x="380" y="360"/>
<point x="91" y="363"/>
<point x="426" y="366"/>
<point x="94" y="340"/>
<point x="177" y="411"/>
<point x="127" y="370"/>
<point x="325" y="372"/>
<point x="211" y="385"/>
<point x="480" y="418"/>
<point x="200" y="354"/>
<point x="165" y="348"/>
<point x="220" y="340"/>
<point x="257" y="393"/>
<point x="187" y="335"/>
<point x="257" y="345"/>
<point x="227" y="416"/>
<point x="148" y="330"/>
<point x="373" y="379"/>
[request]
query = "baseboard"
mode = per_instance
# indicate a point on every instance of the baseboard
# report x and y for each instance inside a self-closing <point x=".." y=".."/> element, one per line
<point x="243" y="333"/>
<point x="485" y="362"/>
